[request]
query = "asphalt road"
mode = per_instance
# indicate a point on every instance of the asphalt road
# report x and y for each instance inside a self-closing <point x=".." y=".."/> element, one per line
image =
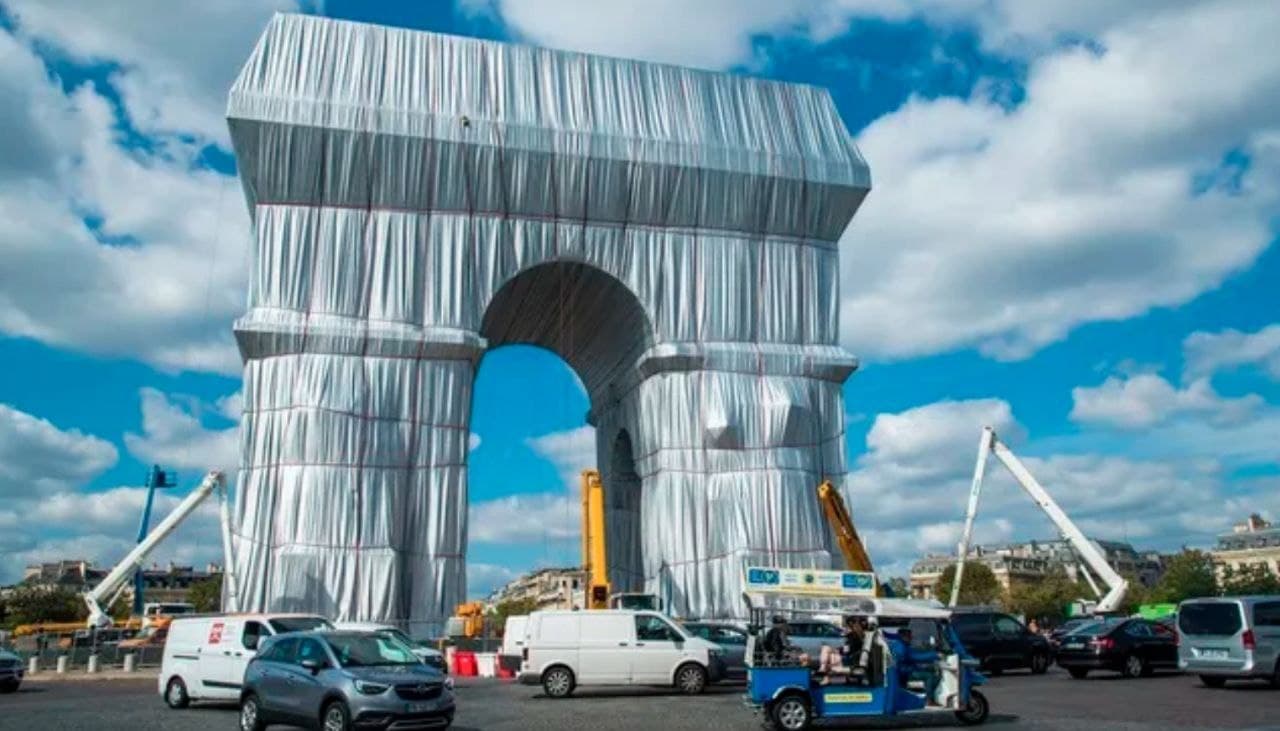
<point x="1053" y="702"/>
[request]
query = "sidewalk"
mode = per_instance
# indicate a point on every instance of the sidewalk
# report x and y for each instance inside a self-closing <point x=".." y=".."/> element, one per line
<point x="79" y="675"/>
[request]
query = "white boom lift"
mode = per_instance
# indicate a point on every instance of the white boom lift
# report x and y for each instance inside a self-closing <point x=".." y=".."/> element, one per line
<point x="1089" y="553"/>
<point x="105" y="593"/>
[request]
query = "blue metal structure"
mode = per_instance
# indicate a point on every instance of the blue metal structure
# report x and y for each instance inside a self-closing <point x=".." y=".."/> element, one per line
<point x="156" y="479"/>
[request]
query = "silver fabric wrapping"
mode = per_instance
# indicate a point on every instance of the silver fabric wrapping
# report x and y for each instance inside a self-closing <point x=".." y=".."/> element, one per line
<point x="419" y="198"/>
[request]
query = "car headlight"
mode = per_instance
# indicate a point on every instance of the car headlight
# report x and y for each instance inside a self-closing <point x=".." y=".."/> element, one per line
<point x="448" y="683"/>
<point x="368" y="688"/>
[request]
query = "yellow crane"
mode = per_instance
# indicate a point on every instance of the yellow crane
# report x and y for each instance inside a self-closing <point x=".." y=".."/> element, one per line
<point x="594" y="558"/>
<point x="837" y="515"/>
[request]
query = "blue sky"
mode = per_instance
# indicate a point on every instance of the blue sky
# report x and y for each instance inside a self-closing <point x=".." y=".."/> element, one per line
<point x="1071" y="235"/>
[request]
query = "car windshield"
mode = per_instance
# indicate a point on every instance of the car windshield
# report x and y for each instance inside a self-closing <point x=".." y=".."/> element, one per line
<point x="1209" y="618"/>
<point x="363" y="650"/>
<point x="402" y="637"/>
<point x="298" y="624"/>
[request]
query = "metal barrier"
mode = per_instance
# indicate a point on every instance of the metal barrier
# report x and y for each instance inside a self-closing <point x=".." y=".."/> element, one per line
<point x="46" y="650"/>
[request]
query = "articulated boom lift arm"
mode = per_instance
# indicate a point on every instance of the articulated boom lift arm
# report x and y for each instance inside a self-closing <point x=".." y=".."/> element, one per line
<point x="594" y="558"/>
<point x="110" y="587"/>
<point x="1092" y="557"/>
<point x="855" y="554"/>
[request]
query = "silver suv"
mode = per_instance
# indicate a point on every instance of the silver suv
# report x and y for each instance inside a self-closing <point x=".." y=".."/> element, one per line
<point x="338" y="681"/>
<point x="1230" y="637"/>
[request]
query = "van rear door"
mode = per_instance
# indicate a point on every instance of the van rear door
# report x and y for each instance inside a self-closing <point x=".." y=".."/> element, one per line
<point x="606" y="648"/>
<point x="1213" y="631"/>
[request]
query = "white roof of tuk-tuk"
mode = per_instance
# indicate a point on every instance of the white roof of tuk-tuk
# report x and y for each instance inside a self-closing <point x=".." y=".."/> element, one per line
<point x="847" y="605"/>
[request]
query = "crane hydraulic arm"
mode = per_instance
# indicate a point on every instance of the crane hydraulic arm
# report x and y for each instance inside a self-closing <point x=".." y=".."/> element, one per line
<point x="833" y="507"/>
<point x="111" y="586"/>
<point x="594" y="558"/>
<point x="1089" y="553"/>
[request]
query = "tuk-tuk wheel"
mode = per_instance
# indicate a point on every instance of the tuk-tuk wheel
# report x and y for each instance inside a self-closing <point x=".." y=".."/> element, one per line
<point x="976" y="711"/>
<point x="791" y="713"/>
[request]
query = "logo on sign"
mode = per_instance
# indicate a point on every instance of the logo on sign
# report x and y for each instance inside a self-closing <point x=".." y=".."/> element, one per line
<point x="215" y="633"/>
<point x="857" y="581"/>
<point x="763" y="576"/>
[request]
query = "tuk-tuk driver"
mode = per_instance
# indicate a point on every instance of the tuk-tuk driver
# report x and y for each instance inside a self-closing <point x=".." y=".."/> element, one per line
<point x="777" y="647"/>
<point x="914" y="663"/>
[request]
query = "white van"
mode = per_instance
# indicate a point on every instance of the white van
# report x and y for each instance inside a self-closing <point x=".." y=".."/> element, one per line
<point x="565" y="649"/>
<point x="513" y="635"/>
<point x="205" y="655"/>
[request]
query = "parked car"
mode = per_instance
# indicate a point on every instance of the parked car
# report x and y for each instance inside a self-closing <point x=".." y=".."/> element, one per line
<point x="729" y="637"/>
<point x="1000" y="642"/>
<point x="811" y="634"/>
<point x="10" y="671"/>
<point x="340" y="680"/>
<point x="205" y="656"/>
<point x="423" y="650"/>
<point x="1131" y="647"/>
<point x="1066" y="628"/>
<point x="1230" y="637"/>
<point x="565" y="650"/>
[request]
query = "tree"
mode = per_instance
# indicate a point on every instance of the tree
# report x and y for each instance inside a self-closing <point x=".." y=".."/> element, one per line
<point x="206" y="594"/>
<point x="1252" y="579"/>
<point x="32" y="604"/>
<point x="1045" y="600"/>
<point x="513" y="608"/>
<point x="899" y="587"/>
<point x="1187" y="575"/>
<point x="979" y="585"/>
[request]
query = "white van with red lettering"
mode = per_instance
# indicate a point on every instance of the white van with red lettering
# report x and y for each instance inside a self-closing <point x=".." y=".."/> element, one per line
<point x="205" y="655"/>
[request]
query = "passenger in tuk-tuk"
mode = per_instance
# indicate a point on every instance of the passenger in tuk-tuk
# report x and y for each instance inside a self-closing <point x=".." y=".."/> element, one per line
<point x="845" y="660"/>
<point x="777" y="646"/>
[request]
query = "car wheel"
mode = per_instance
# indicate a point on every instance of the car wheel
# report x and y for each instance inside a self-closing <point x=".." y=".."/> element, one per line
<point x="1275" y="676"/>
<point x="175" y="694"/>
<point x="335" y="717"/>
<point x="9" y="686"/>
<point x="691" y="679"/>
<point x="557" y="682"/>
<point x="1039" y="663"/>
<point x="994" y="670"/>
<point x="1133" y="667"/>
<point x="1078" y="673"/>
<point x="251" y="714"/>
<point x="975" y="711"/>
<point x="791" y="713"/>
<point x="1212" y="682"/>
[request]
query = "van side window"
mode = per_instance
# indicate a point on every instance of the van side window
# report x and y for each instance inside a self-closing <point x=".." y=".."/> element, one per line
<point x="1266" y="614"/>
<point x="653" y="629"/>
<point x="252" y="634"/>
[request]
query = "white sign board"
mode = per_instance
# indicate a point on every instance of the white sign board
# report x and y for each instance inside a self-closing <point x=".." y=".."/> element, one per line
<point x="772" y="580"/>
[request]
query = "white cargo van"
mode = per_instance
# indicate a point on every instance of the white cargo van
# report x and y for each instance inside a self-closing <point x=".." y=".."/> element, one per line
<point x="564" y="650"/>
<point x="513" y="634"/>
<point x="205" y="655"/>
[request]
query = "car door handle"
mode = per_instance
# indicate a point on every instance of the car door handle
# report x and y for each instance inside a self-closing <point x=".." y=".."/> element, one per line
<point x="622" y="644"/>
<point x="639" y="644"/>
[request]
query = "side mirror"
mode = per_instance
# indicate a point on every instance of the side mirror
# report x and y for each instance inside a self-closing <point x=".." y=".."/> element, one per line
<point x="313" y="665"/>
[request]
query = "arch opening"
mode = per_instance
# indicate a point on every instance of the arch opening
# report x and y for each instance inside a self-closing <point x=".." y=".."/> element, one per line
<point x="596" y="325"/>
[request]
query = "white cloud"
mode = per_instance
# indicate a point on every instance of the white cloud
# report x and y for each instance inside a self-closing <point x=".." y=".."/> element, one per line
<point x="176" y="61"/>
<point x="570" y="451"/>
<point x="908" y="492"/>
<point x="173" y="435"/>
<point x="161" y="274"/>
<point x="37" y="458"/>
<point x="483" y="578"/>
<point x="1147" y="399"/>
<point x="1206" y="353"/>
<point x="1006" y="228"/>
<point x="473" y="442"/>
<point x="525" y="519"/>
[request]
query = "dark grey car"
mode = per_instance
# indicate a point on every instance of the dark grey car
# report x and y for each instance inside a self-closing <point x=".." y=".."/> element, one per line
<point x="338" y="681"/>
<point x="732" y="639"/>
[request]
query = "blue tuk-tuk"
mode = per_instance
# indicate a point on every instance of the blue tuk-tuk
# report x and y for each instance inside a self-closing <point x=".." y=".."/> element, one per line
<point x="887" y="680"/>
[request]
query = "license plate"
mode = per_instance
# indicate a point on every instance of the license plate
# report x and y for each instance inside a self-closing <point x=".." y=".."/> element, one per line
<point x="1214" y="654"/>
<point x="1073" y="646"/>
<point x="418" y="707"/>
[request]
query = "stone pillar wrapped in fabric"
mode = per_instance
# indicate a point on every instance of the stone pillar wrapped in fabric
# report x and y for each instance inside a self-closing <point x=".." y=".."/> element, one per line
<point x="419" y="198"/>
